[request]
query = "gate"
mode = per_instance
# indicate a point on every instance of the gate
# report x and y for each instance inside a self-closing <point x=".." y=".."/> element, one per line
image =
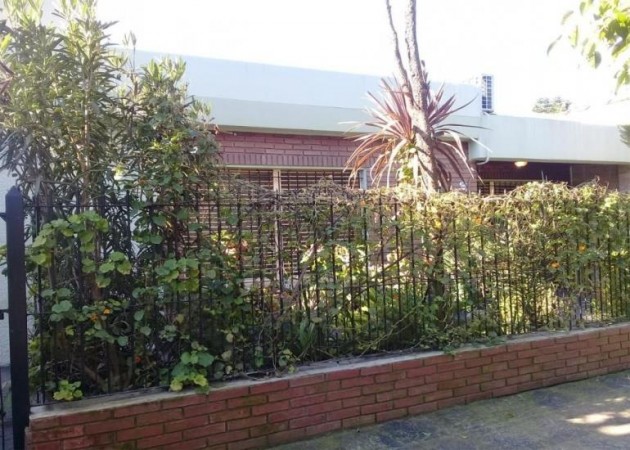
<point x="14" y="388"/>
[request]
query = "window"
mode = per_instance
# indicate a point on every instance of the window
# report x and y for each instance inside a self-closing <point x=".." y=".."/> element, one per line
<point x="297" y="179"/>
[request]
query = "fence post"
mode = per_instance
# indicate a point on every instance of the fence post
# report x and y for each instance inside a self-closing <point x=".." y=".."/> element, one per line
<point x="18" y="341"/>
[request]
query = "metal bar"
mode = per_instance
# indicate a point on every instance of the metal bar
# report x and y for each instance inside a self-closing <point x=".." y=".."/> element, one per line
<point x="18" y="340"/>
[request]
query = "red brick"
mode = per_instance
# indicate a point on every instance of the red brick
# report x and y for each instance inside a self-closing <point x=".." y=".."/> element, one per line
<point x="565" y="339"/>
<point x="268" y="386"/>
<point x="376" y="408"/>
<point x="478" y="396"/>
<point x="509" y="356"/>
<point x="270" y="407"/>
<point x="305" y="381"/>
<point x="310" y="400"/>
<point x="545" y="342"/>
<point x="543" y="375"/>
<point x="139" y="432"/>
<point x="343" y="374"/>
<point x="553" y="349"/>
<point x="508" y="390"/>
<point x="250" y="400"/>
<point x="491" y="385"/>
<point x="451" y="366"/>
<point x="226" y="394"/>
<point x="451" y="384"/>
<point x="57" y="434"/>
<point x="359" y="421"/>
<point x="494" y="367"/>
<point x="110" y="425"/>
<point x="482" y="361"/>
<point x="466" y="390"/>
<point x="577" y="345"/>
<point x="411" y="364"/>
<point x="518" y="346"/>
<point x="307" y="421"/>
<point x="391" y="395"/>
<point x="421" y="372"/>
<point x="566" y="370"/>
<point x="195" y="444"/>
<point x="159" y="416"/>
<point x="186" y="424"/>
<point x="588" y="366"/>
<point x="133" y="410"/>
<point x="445" y="376"/>
<point x="232" y="414"/>
<point x="447" y="403"/>
<point x="618" y="338"/>
<point x="387" y="377"/>
<point x="424" y="389"/>
<point x="345" y="393"/>
<point x="204" y="409"/>
<point x="159" y="440"/>
<point x="362" y="381"/>
<point x="554" y="365"/>
<point x="544" y="358"/>
<point x="46" y="446"/>
<point x="268" y="428"/>
<point x="422" y="408"/>
<point x="95" y="441"/>
<point x="285" y="436"/>
<point x="408" y="401"/>
<point x="358" y="401"/>
<point x="491" y="351"/>
<point x="240" y="424"/>
<point x="529" y="369"/>
<point x="439" y="395"/>
<point x="520" y="363"/>
<point x="501" y="374"/>
<point x="229" y="437"/>
<point x="483" y="378"/>
<point x="43" y="423"/>
<point x="385" y="368"/>
<point x="519" y="379"/>
<point x="568" y="354"/>
<point x="408" y="382"/>
<point x="391" y="415"/>
<point x="576" y="361"/>
<point x="343" y="413"/>
<point x="208" y="430"/>
<point x="248" y="444"/>
<point x="376" y="388"/>
<point x="180" y="402"/>
<point x="323" y="407"/>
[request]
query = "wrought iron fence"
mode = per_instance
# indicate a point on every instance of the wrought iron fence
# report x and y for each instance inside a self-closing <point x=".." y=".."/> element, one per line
<point x="242" y="281"/>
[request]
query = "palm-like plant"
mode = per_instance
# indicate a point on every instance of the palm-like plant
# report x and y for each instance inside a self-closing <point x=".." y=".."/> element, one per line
<point x="394" y="143"/>
<point x="409" y="129"/>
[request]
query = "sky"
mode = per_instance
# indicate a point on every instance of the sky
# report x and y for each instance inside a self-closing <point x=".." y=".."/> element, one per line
<point x="459" y="39"/>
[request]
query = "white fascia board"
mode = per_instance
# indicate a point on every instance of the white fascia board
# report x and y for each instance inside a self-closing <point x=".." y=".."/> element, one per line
<point x="507" y="138"/>
<point x="270" y="117"/>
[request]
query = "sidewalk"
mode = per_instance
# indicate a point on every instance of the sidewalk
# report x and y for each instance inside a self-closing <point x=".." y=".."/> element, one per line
<point x="591" y="414"/>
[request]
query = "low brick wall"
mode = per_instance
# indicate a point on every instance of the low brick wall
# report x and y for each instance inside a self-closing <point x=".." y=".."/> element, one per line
<point x="333" y="396"/>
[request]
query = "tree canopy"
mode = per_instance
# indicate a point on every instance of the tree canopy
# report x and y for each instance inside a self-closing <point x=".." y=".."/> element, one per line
<point x="556" y="105"/>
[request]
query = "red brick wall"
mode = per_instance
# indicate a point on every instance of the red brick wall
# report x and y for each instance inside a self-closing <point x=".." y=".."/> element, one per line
<point x="258" y="414"/>
<point x="296" y="150"/>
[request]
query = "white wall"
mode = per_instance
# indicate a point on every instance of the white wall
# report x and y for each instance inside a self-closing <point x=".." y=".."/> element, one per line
<point x="548" y="140"/>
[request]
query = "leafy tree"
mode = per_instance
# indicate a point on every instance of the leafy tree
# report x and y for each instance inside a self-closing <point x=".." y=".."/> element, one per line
<point x="410" y="134"/>
<point x="600" y="30"/>
<point x="547" y="105"/>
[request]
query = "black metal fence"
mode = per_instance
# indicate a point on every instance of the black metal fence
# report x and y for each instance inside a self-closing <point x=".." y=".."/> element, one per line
<point x="242" y="280"/>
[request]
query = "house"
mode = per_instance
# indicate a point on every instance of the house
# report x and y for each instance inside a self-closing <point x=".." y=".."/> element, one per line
<point x="286" y="127"/>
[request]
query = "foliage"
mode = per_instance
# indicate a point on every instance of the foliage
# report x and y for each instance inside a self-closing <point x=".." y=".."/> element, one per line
<point x="547" y="105"/>
<point x="600" y="30"/>
<point x="410" y="135"/>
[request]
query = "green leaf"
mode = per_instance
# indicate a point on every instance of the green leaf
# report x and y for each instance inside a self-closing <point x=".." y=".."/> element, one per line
<point x="124" y="268"/>
<point x="176" y="385"/>
<point x="185" y="358"/>
<point x="39" y="259"/>
<point x="145" y="330"/>
<point x="103" y="282"/>
<point x="122" y="340"/>
<point x="159" y="220"/>
<point x="138" y="315"/>
<point x="205" y="359"/>
<point x="106" y="267"/>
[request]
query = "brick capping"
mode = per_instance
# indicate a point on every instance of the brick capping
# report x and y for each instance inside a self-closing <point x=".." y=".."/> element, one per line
<point x="325" y="397"/>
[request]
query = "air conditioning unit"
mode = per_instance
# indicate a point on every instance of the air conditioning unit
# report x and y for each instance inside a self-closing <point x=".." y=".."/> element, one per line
<point x="486" y="83"/>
